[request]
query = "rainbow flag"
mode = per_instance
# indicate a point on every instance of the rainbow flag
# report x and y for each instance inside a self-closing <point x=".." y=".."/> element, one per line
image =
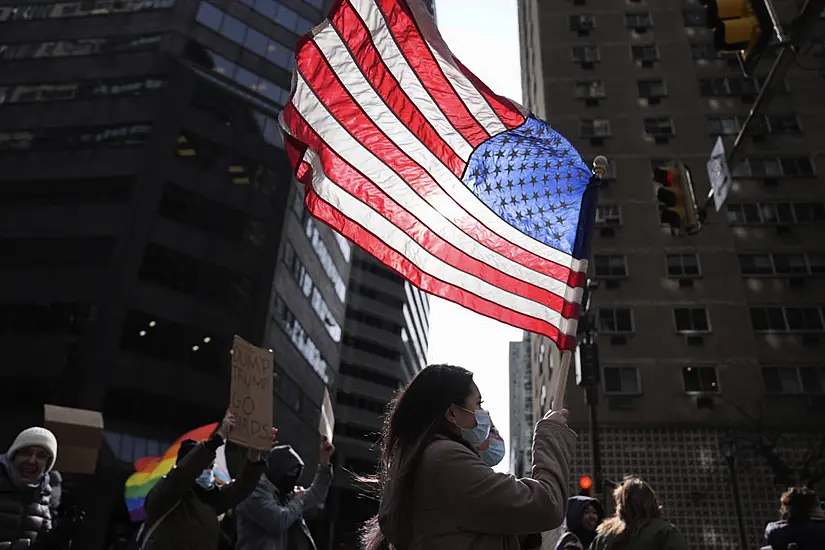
<point x="150" y="469"/>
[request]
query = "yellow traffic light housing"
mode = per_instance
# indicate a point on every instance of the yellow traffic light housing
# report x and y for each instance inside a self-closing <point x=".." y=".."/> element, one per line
<point x="740" y="26"/>
<point x="677" y="199"/>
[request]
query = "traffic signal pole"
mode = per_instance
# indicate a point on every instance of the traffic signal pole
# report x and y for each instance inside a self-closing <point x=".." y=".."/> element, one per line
<point x="803" y="30"/>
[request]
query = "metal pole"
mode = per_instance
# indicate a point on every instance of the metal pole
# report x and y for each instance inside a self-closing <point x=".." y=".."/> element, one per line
<point x="595" y="450"/>
<point x="737" y="502"/>
<point x="803" y="29"/>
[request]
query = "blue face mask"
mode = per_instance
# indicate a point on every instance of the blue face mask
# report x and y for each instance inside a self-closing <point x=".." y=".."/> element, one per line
<point x="494" y="453"/>
<point x="206" y="479"/>
<point x="478" y="435"/>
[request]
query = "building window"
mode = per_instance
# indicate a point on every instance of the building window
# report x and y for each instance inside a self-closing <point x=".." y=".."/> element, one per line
<point x="249" y="80"/>
<point x="652" y="89"/>
<point x="772" y="124"/>
<point x="590" y="89"/>
<point x="766" y="213"/>
<point x="756" y="264"/>
<point x="794" y="380"/>
<point x="585" y="54"/>
<point x="615" y="320"/>
<point x="609" y="266"/>
<point x="695" y="18"/>
<point x="704" y="52"/>
<point x="62" y="138"/>
<point x="683" y="265"/>
<point x="80" y="47"/>
<point x="79" y="91"/>
<point x="639" y="20"/>
<point x="595" y="128"/>
<point x="582" y="23"/>
<point x="691" y="320"/>
<point x="311" y="292"/>
<point x="645" y="53"/>
<point x="271" y="9"/>
<point x="735" y="86"/>
<point x="608" y="215"/>
<point x="659" y="127"/>
<point x="774" y="167"/>
<point x="285" y="319"/>
<point x="80" y="8"/>
<point x="700" y="380"/>
<point x="314" y="235"/>
<point x="239" y="33"/>
<point x="622" y="380"/>
<point x="785" y="319"/>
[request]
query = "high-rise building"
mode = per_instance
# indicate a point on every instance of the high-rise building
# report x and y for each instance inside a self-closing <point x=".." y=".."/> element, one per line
<point x="148" y="214"/>
<point x="521" y="408"/>
<point x="384" y="346"/>
<point x="706" y="340"/>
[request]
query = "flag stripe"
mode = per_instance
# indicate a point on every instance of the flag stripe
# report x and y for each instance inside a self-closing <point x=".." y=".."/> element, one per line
<point x="423" y="260"/>
<point x="329" y="91"/>
<point x="509" y="114"/>
<point x="387" y="70"/>
<point x="404" y="265"/>
<point x="472" y="97"/>
<point x="405" y="33"/>
<point x="421" y="226"/>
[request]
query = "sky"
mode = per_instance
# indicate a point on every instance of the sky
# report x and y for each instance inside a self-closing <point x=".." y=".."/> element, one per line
<point x="483" y="34"/>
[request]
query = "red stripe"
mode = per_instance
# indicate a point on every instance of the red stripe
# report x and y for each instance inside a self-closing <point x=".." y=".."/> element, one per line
<point x="350" y="115"/>
<point x="359" y="186"/>
<point x="394" y="260"/>
<point x="401" y="24"/>
<point x="357" y="37"/>
<point x="504" y="108"/>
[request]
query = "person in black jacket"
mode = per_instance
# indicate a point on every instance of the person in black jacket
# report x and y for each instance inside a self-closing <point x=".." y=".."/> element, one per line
<point x="25" y="492"/>
<point x="584" y="514"/>
<point x="802" y="523"/>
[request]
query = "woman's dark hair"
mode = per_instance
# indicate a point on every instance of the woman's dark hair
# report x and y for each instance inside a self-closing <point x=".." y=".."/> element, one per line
<point x="797" y="503"/>
<point x="412" y="419"/>
<point x="636" y="506"/>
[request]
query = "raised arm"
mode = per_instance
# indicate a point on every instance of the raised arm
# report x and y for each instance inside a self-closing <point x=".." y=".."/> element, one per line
<point x="264" y="510"/>
<point x="234" y="493"/>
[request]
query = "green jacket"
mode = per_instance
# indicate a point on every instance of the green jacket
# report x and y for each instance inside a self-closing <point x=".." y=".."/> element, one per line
<point x="657" y="535"/>
<point x="193" y="524"/>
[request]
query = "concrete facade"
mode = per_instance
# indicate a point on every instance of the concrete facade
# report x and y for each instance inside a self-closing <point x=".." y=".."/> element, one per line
<point x="521" y="408"/>
<point x="704" y="338"/>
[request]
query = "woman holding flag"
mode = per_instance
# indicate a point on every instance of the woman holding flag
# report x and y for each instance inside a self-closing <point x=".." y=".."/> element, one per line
<point x="438" y="491"/>
<point x="182" y="509"/>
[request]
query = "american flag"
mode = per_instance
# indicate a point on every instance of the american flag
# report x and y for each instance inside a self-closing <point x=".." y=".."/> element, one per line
<point x="410" y="156"/>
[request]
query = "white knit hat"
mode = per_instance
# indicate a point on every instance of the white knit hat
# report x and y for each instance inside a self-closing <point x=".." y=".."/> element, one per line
<point x="36" y="436"/>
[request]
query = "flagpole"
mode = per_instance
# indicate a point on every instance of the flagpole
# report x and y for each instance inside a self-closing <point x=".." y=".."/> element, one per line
<point x="558" y="382"/>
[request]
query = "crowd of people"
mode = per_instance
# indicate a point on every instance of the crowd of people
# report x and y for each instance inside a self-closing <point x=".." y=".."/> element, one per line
<point x="435" y="484"/>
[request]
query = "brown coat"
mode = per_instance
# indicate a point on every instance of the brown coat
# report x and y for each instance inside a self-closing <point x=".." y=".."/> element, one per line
<point x="460" y="503"/>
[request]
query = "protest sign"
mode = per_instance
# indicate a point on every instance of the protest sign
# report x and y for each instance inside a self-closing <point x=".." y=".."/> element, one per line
<point x="251" y="396"/>
<point x="327" y="423"/>
<point x="79" y="435"/>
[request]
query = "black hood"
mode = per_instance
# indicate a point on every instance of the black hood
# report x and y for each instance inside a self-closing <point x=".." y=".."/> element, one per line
<point x="280" y="462"/>
<point x="575" y="511"/>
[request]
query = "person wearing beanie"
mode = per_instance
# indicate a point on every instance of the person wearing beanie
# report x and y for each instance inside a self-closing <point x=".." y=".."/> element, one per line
<point x="272" y="518"/>
<point x="182" y="509"/>
<point x="25" y="491"/>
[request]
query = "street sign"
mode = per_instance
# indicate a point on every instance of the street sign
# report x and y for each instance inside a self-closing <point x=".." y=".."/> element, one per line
<point x="719" y="174"/>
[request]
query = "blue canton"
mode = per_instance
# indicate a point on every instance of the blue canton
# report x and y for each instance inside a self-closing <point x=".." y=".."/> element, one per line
<point x="535" y="180"/>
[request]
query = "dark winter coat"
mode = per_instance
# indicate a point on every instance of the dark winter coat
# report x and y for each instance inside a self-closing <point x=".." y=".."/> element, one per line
<point x="272" y="517"/>
<point x="656" y="535"/>
<point x="24" y="511"/>
<point x="807" y="534"/>
<point x="193" y="524"/>
<point x="576" y="537"/>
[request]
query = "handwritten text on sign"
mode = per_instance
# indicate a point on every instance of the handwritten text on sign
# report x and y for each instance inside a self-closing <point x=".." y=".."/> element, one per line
<point x="251" y="396"/>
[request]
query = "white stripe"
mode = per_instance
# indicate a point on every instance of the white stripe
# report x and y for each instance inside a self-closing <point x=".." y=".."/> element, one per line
<point x="407" y="78"/>
<point x="341" y="62"/>
<point x="439" y="221"/>
<point x="399" y="241"/>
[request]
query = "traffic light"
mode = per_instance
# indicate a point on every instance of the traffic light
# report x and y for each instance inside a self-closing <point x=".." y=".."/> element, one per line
<point x="585" y="486"/>
<point x="587" y="364"/>
<point x="741" y="26"/>
<point x="677" y="200"/>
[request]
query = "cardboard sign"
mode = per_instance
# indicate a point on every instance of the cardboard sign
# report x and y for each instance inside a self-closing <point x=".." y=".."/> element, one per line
<point x="79" y="434"/>
<point x="251" y="396"/>
<point x="326" y="425"/>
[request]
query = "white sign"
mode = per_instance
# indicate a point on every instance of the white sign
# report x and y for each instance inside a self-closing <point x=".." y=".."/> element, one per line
<point x="719" y="174"/>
